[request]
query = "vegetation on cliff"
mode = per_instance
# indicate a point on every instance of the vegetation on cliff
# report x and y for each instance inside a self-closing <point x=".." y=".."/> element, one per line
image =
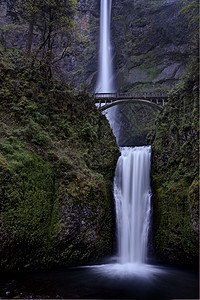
<point x="175" y="173"/>
<point x="57" y="161"/>
<point x="44" y="30"/>
<point x="152" y="43"/>
<point x="134" y="121"/>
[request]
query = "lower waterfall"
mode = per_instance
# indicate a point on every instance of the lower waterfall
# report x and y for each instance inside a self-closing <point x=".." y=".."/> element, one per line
<point x="132" y="194"/>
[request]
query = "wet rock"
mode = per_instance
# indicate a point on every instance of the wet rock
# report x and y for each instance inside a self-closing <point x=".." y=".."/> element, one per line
<point x="136" y="74"/>
<point x="174" y="71"/>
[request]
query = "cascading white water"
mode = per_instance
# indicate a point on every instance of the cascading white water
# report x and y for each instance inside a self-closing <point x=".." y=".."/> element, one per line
<point x="132" y="193"/>
<point x="132" y="179"/>
<point x="105" y="76"/>
<point x="105" y="81"/>
<point x="132" y="196"/>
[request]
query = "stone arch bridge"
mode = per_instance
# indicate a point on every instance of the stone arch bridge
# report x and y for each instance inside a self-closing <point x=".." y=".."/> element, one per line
<point x="107" y="100"/>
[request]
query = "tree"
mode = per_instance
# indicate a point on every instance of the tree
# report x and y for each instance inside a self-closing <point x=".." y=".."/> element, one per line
<point x="54" y="20"/>
<point x="29" y="10"/>
<point x="57" y="19"/>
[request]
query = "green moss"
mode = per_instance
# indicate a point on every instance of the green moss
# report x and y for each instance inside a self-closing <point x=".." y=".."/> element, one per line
<point x="194" y="192"/>
<point x="175" y="175"/>
<point x="57" y="163"/>
<point x="3" y="163"/>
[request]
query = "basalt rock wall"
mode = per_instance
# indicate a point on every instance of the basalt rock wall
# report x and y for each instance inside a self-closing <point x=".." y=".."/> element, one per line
<point x="150" y="42"/>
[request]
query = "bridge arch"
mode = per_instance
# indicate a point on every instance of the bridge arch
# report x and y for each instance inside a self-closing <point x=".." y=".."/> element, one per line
<point x="118" y="102"/>
<point x="107" y="100"/>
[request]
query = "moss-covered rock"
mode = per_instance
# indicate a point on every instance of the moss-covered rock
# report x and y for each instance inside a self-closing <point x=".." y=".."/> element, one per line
<point x="151" y="43"/>
<point x="133" y="122"/>
<point x="57" y="161"/>
<point x="175" y="174"/>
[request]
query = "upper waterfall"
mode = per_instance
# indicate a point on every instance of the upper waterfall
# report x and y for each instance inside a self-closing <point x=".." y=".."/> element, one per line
<point x="105" y="82"/>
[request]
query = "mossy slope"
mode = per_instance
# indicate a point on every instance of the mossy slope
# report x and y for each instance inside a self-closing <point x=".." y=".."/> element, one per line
<point x="175" y="174"/>
<point x="57" y="161"/>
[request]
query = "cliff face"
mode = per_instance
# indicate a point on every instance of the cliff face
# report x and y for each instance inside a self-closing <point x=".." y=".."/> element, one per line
<point x="150" y="43"/>
<point x="57" y="162"/>
<point x="175" y="174"/>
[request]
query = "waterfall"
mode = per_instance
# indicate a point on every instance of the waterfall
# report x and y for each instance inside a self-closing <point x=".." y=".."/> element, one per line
<point x="105" y="76"/>
<point x="105" y="81"/>
<point x="132" y="196"/>
<point x="132" y="179"/>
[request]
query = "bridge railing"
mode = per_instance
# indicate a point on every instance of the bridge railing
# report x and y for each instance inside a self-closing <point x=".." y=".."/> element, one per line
<point x="130" y="95"/>
<point x="143" y="94"/>
<point x="105" y="95"/>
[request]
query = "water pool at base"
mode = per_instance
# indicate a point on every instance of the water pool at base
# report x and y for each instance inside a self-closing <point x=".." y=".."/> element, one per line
<point x="107" y="281"/>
